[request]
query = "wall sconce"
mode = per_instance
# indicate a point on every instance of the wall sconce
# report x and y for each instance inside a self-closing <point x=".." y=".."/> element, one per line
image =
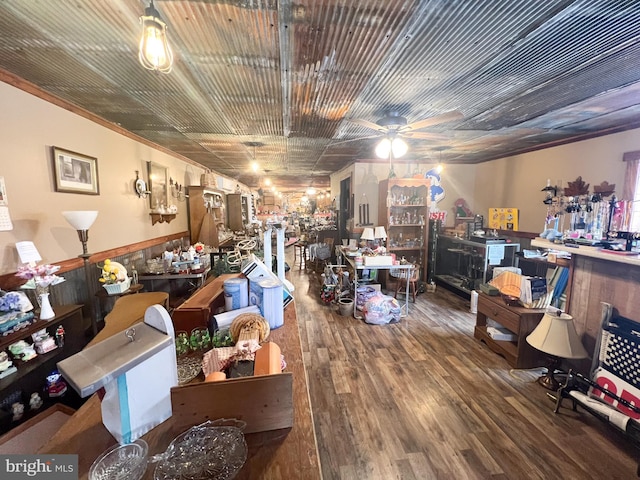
<point x="82" y="220"/>
<point x="154" y="52"/>
<point x="177" y="190"/>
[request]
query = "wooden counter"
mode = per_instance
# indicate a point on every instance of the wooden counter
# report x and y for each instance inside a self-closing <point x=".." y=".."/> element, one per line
<point x="598" y="276"/>
<point x="278" y="454"/>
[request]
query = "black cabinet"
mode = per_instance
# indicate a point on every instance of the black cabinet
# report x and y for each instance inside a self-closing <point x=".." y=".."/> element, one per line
<point x="30" y="376"/>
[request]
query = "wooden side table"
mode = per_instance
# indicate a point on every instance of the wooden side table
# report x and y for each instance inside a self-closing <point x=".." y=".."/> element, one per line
<point x="518" y="320"/>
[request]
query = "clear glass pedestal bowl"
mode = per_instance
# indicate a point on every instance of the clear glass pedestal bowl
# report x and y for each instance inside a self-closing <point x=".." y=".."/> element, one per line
<point x="121" y="462"/>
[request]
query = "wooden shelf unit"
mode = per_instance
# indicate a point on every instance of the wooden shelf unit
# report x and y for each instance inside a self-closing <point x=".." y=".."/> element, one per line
<point x="238" y="211"/>
<point x="161" y="217"/>
<point x="403" y="210"/>
<point x="31" y="375"/>
<point x="203" y="202"/>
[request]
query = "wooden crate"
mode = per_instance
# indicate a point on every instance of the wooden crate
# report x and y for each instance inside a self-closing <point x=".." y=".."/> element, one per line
<point x="264" y="402"/>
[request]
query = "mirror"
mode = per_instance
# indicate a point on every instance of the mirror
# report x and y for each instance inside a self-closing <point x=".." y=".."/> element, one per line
<point x="157" y="186"/>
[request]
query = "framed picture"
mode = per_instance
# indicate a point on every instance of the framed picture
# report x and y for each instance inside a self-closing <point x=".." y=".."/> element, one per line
<point x="157" y="186"/>
<point x="75" y="173"/>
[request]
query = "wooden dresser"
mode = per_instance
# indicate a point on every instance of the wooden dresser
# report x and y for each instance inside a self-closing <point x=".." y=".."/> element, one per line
<point x="520" y="321"/>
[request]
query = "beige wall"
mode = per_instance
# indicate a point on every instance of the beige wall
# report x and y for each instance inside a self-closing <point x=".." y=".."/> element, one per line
<point x="458" y="181"/>
<point x="29" y="127"/>
<point x="513" y="181"/>
<point x="517" y="181"/>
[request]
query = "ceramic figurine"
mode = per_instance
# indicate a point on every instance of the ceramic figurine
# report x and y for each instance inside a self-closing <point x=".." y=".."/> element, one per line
<point x="35" y="402"/>
<point x="60" y="336"/>
<point x="4" y="361"/>
<point x="17" y="409"/>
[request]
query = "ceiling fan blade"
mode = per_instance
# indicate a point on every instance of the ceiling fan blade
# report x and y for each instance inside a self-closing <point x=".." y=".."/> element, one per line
<point x="427" y="122"/>
<point x="426" y="136"/>
<point x="368" y="124"/>
<point x="341" y="142"/>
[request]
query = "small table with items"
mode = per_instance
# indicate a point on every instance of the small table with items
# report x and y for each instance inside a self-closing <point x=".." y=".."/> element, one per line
<point x="362" y="268"/>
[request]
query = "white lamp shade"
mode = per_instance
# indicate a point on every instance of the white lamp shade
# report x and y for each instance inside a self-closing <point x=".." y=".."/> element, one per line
<point x="397" y="146"/>
<point x="367" y="234"/>
<point x="380" y="233"/>
<point x="556" y="335"/>
<point x="81" y="219"/>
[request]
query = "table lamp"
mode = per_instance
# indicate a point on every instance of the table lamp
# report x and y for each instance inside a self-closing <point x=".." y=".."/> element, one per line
<point x="556" y="336"/>
<point x="380" y="234"/>
<point x="367" y="235"/>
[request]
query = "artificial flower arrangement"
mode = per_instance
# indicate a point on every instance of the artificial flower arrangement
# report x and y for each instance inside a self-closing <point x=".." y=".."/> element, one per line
<point x="113" y="277"/>
<point x="39" y="275"/>
<point x="109" y="274"/>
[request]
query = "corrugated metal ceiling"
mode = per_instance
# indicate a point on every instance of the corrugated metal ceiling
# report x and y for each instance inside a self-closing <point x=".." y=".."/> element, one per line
<point x="291" y="76"/>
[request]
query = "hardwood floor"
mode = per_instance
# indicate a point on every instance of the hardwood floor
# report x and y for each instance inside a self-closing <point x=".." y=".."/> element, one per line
<point x="423" y="399"/>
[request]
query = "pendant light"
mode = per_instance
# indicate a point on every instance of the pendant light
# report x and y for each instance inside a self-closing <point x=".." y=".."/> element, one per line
<point x="154" y="53"/>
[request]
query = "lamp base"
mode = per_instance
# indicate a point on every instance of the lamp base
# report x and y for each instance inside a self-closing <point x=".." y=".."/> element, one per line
<point x="548" y="381"/>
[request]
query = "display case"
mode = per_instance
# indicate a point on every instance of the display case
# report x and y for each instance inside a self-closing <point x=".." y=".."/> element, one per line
<point x="207" y="216"/>
<point x="465" y="264"/>
<point x="403" y="209"/>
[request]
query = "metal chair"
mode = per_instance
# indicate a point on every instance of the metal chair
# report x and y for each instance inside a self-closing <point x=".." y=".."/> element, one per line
<point x="412" y="276"/>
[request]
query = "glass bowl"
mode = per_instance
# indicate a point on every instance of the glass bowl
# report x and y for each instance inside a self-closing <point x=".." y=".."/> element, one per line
<point x="121" y="462"/>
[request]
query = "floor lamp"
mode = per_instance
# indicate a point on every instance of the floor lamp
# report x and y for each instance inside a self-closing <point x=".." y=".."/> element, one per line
<point x="556" y="336"/>
<point x="82" y="220"/>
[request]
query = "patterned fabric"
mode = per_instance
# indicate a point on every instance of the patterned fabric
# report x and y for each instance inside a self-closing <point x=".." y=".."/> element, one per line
<point x="620" y="351"/>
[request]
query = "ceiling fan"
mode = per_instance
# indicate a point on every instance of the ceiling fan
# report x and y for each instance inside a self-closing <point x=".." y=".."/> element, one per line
<point x="392" y="127"/>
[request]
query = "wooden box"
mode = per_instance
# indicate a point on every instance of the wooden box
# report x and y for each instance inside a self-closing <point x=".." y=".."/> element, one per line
<point x="264" y="402"/>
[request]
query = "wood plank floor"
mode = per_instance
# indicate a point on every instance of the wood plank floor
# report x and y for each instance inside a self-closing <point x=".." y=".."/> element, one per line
<point x="423" y="399"/>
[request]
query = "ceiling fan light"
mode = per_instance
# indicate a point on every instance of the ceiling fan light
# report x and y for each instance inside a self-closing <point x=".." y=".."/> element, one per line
<point x="399" y="147"/>
<point x="383" y="148"/>
<point x="311" y="191"/>
<point x="154" y="52"/>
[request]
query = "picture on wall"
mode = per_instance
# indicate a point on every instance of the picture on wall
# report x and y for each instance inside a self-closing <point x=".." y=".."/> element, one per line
<point x="74" y="172"/>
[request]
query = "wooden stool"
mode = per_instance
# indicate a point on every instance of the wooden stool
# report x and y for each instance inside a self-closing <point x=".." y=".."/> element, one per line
<point x="413" y="281"/>
<point x="300" y="248"/>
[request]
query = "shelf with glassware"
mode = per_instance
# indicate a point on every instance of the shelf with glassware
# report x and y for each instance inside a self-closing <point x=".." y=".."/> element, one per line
<point x="207" y="216"/>
<point x="403" y="209"/>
